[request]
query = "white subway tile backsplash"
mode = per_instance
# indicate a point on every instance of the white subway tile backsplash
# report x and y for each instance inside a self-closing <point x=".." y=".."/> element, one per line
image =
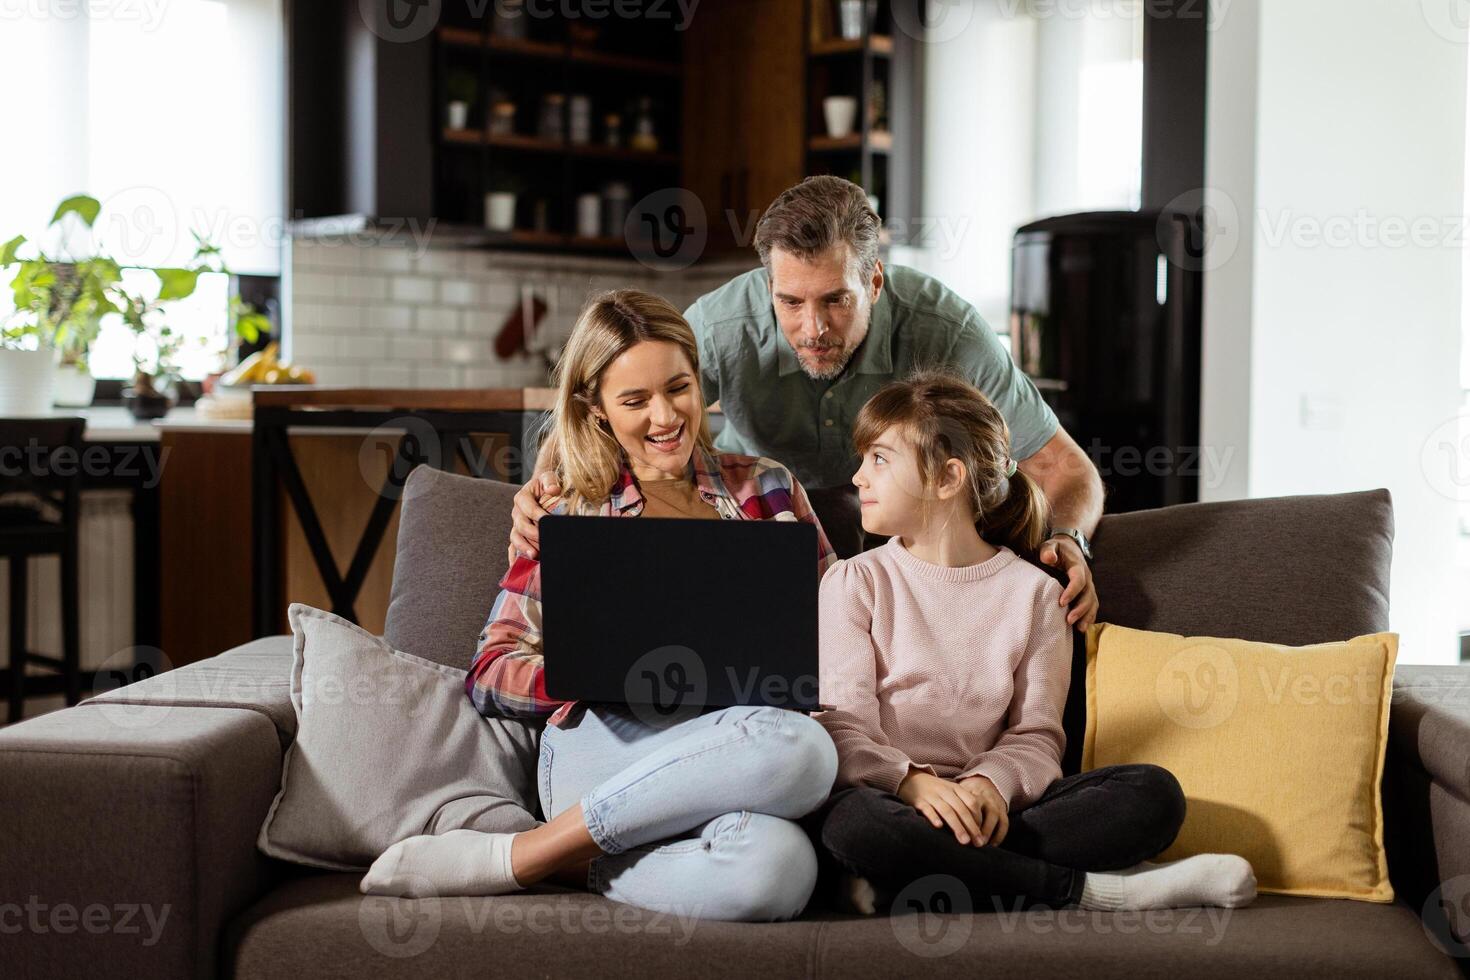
<point x="388" y="315"/>
<point x="390" y="375"/>
<point x="436" y="377"/>
<point x="459" y="292"/>
<point x="433" y="319"/>
<point x="387" y="318"/>
<point x="413" y="289"/>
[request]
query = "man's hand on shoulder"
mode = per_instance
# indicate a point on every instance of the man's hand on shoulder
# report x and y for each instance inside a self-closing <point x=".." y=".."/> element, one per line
<point x="529" y="508"/>
<point x="1062" y="552"/>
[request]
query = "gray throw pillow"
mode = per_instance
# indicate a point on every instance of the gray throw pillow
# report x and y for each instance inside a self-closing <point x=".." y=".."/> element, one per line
<point x="387" y="746"/>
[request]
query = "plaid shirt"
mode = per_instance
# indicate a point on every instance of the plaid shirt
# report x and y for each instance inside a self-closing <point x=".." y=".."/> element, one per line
<point x="507" y="677"/>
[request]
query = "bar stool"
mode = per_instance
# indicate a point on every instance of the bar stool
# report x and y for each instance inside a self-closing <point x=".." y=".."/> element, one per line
<point x="40" y="485"/>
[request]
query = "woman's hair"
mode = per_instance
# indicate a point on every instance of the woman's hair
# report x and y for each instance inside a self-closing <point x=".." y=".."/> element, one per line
<point x="944" y="417"/>
<point x="590" y="456"/>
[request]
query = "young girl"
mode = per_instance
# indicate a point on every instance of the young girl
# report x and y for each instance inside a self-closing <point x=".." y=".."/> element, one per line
<point x="947" y="660"/>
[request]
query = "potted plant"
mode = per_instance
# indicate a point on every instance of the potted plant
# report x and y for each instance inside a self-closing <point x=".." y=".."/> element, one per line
<point x="60" y="301"/>
<point x="59" y="305"/>
<point x="461" y="88"/>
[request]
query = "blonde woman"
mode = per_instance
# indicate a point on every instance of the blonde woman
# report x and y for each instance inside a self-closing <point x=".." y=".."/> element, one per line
<point x="696" y="816"/>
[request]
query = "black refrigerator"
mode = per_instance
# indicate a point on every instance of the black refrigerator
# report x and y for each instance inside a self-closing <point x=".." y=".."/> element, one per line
<point x="1105" y="318"/>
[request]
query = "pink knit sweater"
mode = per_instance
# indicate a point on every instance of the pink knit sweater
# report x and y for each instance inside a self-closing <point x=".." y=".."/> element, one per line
<point x="957" y="671"/>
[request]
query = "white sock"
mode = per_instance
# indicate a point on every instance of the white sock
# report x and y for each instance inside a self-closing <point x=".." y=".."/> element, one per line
<point x="459" y="862"/>
<point x="1225" y="880"/>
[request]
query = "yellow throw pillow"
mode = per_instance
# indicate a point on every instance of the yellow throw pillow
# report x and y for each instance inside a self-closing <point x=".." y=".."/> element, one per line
<point x="1279" y="749"/>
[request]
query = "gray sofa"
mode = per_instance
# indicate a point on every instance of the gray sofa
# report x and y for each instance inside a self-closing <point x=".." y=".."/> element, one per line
<point x="128" y="823"/>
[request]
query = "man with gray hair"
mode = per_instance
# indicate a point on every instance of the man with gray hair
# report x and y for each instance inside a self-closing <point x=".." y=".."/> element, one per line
<point x="793" y="350"/>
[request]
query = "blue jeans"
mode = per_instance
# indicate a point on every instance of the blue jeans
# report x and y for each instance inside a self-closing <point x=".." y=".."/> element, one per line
<point x="696" y="818"/>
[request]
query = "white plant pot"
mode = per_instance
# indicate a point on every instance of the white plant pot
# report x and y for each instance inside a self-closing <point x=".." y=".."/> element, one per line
<point x="459" y="115"/>
<point x="27" y="378"/>
<point x="500" y="211"/>
<point x="841" y="113"/>
<point x="74" y="387"/>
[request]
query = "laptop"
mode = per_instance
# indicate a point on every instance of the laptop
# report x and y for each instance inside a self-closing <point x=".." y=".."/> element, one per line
<point x="679" y="615"/>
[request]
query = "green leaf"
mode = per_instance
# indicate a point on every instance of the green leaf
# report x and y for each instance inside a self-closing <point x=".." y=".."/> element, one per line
<point x="176" y="283"/>
<point x="251" y="325"/>
<point x="81" y="205"/>
<point x="8" y="250"/>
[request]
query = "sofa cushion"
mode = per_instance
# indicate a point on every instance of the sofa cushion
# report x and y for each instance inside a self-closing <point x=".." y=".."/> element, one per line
<point x="453" y="532"/>
<point x="319" y="926"/>
<point x="1218" y="712"/>
<point x="387" y="746"/>
<point x="1288" y="570"/>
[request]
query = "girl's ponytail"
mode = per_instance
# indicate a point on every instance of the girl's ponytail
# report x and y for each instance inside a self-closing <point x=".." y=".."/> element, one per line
<point x="1021" y="518"/>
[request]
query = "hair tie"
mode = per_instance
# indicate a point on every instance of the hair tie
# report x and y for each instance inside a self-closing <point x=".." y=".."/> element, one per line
<point x="1010" y="467"/>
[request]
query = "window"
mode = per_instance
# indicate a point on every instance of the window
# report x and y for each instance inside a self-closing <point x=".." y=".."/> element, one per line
<point x="172" y="115"/>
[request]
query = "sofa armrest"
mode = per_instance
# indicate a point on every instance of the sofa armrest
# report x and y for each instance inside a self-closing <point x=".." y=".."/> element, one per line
<point x="127" y="836"/>
<point x="1427" y="793"/>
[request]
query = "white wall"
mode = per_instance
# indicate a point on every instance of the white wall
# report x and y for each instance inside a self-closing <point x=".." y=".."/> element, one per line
<point x="1027" y="113"/>
<point x="1331" y="347"/>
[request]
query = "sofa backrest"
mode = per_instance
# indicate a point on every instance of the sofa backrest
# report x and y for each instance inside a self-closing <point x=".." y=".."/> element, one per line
<point x="1290" y="570"/>
<point x="453" y="532"/>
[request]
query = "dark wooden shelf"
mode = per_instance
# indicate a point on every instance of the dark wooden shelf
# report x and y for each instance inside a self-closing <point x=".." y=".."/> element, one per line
<point x="623" y="62"/>
<point x="597" y="151"/>
<point x="880" y="44"/>
<point x="878" y="142"/>
<point x="551" y="51"/>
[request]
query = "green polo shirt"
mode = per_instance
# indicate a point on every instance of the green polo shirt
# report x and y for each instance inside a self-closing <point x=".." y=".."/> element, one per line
<point x="773" y="409"/>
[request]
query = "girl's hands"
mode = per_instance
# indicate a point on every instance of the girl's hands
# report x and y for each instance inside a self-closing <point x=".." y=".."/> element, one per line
<point x="992" y="812"/>
<point x="949" y="804"/>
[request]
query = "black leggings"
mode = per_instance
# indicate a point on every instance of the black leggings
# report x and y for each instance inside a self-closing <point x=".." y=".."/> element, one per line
<point x="1103" y="820"/>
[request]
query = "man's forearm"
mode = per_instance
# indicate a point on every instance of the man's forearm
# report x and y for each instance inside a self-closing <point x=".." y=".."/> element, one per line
<point x="1075" y="494"/>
